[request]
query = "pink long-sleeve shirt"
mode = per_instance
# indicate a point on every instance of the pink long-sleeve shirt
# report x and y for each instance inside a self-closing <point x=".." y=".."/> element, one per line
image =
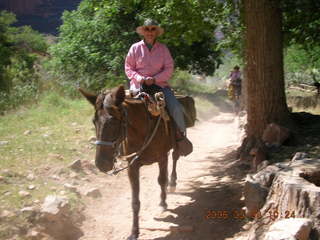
<point x="141" y="62"/>
<point x="234" y="75"/>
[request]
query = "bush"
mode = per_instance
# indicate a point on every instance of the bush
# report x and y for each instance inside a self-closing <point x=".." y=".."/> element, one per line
<point x="301" y="65"/>
<point x="20" y="48"/>
<point x="19" y="94"/>
<point x="53" y="99"/>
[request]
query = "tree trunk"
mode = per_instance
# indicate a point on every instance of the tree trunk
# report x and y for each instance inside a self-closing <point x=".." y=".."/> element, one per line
<point x="266" y="101"/>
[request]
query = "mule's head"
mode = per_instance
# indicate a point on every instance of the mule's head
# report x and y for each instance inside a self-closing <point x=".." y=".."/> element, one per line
<point x="109" y="124"/>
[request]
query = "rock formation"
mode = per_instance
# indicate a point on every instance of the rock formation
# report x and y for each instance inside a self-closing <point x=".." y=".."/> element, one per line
<point x="21" y="6"/>
<point x="284" y="191"/>
<point x="42" y="15"/>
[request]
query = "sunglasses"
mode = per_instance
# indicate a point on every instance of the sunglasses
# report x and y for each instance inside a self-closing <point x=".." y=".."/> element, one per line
<point x="152" y="29"/>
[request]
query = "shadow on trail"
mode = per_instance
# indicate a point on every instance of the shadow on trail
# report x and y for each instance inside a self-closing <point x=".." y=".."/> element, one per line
<point x="214" y="211"/>
<point x="218" y="98"/>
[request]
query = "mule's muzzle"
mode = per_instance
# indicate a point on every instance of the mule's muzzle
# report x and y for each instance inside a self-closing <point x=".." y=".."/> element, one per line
<point x="103" y="164"/>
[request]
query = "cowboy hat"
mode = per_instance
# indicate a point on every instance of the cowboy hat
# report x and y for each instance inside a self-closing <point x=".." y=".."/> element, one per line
<point x="149" y="22"/>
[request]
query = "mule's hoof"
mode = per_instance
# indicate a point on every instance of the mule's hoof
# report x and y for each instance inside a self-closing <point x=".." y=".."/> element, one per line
<point x="132" y="237"/>
<point x="172" y="189"/>
<point x="163" y="207"/>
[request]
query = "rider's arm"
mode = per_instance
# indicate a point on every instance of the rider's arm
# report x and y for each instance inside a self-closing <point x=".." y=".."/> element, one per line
<point x="238" y="75"/>
<point x="165" y="74"/>
<point x="130" y="67"/>
<point x="231" y="75"/>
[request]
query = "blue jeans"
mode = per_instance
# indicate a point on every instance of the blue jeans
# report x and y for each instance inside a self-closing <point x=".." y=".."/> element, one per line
<point x="173" y="105"/>
<point x="175" y="108"/>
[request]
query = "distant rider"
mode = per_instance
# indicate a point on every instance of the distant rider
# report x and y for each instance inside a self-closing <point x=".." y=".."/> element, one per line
<point x="235" y="83"/>
<point x="149" y="67"/>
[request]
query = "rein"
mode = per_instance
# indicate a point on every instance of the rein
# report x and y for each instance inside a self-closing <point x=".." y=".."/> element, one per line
<point x="136" y="155"/>
<point x="117" y="144"/>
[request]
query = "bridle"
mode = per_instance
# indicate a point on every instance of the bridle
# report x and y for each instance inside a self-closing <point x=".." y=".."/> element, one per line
<point x="123" y="129"/>
<point x="116" y="144"/>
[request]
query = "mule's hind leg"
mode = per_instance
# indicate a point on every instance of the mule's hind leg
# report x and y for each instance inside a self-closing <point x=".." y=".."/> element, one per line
<point x="133" y="173"/>
<point x="163" y="181"/>
<point x="173" y="178"/>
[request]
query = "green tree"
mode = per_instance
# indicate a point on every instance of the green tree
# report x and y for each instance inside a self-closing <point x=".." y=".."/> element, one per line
<point x="302" y="65"/>
<point x="5" y="51"/>
<point x="92" y="46"/>
<point x="302" y="39"/>
<point x="19" y="51"/>
<point x="94" y="40"/>
<point x="301" y="22"/>
<point x="266" y="102"/>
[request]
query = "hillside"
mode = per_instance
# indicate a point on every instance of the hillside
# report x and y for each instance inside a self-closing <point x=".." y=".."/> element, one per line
<point x="41" y="15"/>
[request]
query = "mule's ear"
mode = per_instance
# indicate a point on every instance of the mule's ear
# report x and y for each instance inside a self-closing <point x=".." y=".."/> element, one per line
<point x="119" y="95"/>
<point x="89" y="96"/>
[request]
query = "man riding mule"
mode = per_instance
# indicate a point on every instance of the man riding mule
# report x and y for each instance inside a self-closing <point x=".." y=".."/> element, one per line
<point x="125" y="127"/>
<point x="234" y="88"/>
<point x="149" y="67"/>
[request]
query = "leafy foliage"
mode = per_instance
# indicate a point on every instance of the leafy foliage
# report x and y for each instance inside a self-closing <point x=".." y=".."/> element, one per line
<point x="5" y="50"/>
<point x="92" y="45"/>
<point x="94" y="40"/>
<point x="19" y="50"/>
<point x="301" y="65"/>
<point x="301" y="22"/>
<point x="301" y="36"/>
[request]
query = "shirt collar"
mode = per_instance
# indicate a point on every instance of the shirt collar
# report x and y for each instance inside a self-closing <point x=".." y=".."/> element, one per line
<point x="154" y="46"/>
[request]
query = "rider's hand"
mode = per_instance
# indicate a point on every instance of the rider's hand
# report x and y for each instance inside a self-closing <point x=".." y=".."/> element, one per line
<point x="149" y="81"/>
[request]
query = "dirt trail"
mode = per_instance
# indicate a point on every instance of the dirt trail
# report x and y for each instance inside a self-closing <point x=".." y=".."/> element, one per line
<point x="208" y="180"/>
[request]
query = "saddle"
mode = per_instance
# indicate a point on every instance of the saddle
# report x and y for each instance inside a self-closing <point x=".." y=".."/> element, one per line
<point x="155" y="104"/>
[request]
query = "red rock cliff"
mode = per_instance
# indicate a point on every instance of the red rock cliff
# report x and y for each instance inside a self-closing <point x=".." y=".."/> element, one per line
<point x="42" y="15"/>
<point x="21" y="6"/>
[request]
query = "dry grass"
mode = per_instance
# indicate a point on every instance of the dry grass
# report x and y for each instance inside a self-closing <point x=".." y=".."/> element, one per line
<point x="40" y="142"/>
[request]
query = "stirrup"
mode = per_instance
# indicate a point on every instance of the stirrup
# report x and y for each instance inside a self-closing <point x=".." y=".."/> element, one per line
<point x="184" y="146"/>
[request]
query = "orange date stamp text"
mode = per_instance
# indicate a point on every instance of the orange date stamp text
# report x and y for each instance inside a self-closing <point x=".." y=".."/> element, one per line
<point x="240" y="214"/>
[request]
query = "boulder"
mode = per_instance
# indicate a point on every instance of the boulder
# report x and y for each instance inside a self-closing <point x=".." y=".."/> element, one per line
<point x="24" y="194"/>
<point x="279" y="235"/>
<point x="30" y="213"/>
<point x="263" y="165"/>
<point x="255" y="195"/>
<point x="259" y="155"/>
<point x="30" y="177"/>
<point x="76" y="165"/>
<point x="4" y="142"/>
<point x="256" y="189"/>
<point x="299" y="156"/>
<point x="72" y="188"/>
<point x="56" y="219"/>
<point x="54" y="206"/>
<point x="294" y="192"/>
<point x="274" y="135"/>
<point x="298" y="228"/>
<point x="6" y="214"/>
<point x="93" y="192"/>
<point x="35" y="234"/>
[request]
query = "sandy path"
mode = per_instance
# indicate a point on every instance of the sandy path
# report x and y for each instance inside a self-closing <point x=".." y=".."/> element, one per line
<point x="208" y="180"/>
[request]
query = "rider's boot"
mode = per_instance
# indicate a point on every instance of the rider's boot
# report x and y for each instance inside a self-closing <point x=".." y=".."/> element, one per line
<point x="184" y="145"/>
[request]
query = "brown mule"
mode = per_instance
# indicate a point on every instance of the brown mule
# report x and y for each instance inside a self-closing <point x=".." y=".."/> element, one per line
<point x="125" y="122"/>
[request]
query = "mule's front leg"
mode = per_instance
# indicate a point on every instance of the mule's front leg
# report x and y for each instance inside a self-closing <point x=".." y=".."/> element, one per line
<point x="163" y="181"/>
<point x="173" y="178"/>
<point x="133" y="173"/>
